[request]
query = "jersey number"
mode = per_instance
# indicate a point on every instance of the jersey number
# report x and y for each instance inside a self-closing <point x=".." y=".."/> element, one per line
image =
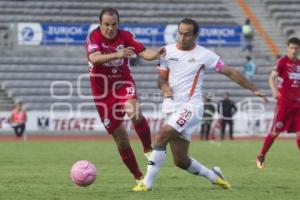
<point x="184" y="117"/>
<point x="130" y="90"/>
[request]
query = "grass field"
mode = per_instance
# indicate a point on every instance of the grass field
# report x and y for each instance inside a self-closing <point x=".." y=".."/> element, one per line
<point x="40" y="170"/>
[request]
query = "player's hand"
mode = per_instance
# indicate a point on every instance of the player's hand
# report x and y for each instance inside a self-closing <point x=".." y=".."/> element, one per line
<point x="167" y="91"/>
<point x="161" y="52"/>
<point x="128" y="52"/>
<point x="275" y="94"/>
<point x="262" y="95"/>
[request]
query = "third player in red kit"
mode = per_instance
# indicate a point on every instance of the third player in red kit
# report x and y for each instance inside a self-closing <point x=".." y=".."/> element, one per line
<point x="287" y="93"/>
<point x="109" y="50"/>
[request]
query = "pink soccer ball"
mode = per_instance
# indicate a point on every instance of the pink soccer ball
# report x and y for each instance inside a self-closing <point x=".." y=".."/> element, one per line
<point x="83" y="173"/>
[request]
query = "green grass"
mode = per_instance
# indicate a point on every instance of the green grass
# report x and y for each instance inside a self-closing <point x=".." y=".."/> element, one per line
<point x="40" y="170"/>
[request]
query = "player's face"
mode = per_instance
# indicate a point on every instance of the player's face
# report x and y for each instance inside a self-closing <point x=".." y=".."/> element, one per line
<point x="293" y="51"/>
<point x="186" y="36"/>
<point x="109" y="26"/>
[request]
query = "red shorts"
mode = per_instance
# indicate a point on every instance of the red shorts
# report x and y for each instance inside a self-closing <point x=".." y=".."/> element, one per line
<point x="286" y="118"/>
<point x="111" y="108"/>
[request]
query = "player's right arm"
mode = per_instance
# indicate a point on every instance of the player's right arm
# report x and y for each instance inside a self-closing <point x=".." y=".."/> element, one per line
<point x="98" y="58"/>
<point x="273" y="84"/>
<point x="163" y="83"/>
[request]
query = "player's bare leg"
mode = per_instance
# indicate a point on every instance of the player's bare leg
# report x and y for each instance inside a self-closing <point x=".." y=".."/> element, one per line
<point x="140" y="124"/>
<point x="269" y="139"/>
<point x="122" y="141"/>
<point x="179" y="148"/>
<point x="298" y="140"/>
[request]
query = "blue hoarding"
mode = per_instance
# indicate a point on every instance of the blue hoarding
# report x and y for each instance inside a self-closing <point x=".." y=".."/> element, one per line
<point x="149" y="34"/>
<point x="220" y="35"/>
<point x="146" y="33"/>
<point x="57" y="34"/>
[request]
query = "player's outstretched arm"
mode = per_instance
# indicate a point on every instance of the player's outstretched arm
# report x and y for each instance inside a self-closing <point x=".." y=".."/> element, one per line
<point x="273" y="84"/>
<point x="99" y="58"/>
<point x="236" y="76"/>
<point x="152" y="54"/>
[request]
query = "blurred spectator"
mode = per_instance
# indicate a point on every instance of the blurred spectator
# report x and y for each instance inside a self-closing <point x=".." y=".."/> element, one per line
<point x="248" y="34"/>
<point x="209" y="111"/>
<point x="18" y="120"/>
<point x="249" y="68"/>
<point x="226" y="109"/>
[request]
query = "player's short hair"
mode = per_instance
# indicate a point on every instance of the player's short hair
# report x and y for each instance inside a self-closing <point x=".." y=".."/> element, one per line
<point x="109" y="11"/>
<point x="293" y="40"/>
<point x="191" y="22"/>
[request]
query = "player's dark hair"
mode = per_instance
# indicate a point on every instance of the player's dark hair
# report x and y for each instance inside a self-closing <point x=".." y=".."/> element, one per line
<point x="293" y="40"/>
<point x="191" y="22"/>
<point x="110" y="11"/>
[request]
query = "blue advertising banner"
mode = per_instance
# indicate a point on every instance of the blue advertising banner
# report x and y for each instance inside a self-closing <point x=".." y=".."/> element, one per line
<point x="149" y="34"/>
<point x="146" y="33"/>
<point x="58" y="34"/>
<point x="220" y="35"/>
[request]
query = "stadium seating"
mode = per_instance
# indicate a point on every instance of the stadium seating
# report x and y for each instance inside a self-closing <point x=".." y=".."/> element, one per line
<point x="286" y="14"/>
<point x="206" y="12"/>
<point x="40" y="82"/>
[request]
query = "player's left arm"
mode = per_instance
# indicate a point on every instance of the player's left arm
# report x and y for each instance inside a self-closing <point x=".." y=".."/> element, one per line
<point x="25" y="116"/>
<point x="152" y="54"/>
<point x="236" y="76"/>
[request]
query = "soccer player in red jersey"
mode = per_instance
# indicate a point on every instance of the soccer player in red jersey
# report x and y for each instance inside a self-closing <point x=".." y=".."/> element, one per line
<point x="109" y="50"/>
<point x="287" y="92"/>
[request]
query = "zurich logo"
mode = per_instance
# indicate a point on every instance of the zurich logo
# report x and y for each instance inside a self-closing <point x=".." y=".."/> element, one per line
<point x="27" y="34"/>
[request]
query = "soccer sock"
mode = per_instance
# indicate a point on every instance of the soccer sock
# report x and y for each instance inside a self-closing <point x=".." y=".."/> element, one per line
<point x="156" y="159"/>
<point x="197" y="168"/>
<point x="129" y="160"/>
<point x="298" y="142"/>
<point x="143" y="131"/>
<point x="267" y="144"/>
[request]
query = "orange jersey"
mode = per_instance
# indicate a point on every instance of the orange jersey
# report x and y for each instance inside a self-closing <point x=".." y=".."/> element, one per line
<point x="18" y="117"/>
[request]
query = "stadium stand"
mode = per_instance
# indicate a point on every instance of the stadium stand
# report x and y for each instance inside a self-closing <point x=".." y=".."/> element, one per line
<point x="131" y="11"/>
<point x="27" y="74"/>
<point x="286" y="14"/>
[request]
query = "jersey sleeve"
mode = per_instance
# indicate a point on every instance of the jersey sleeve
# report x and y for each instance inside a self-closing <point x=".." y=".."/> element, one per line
<point x="162" y="64"/>
<point x="213" y="61"/>
<point x="279" y="66"/>
<point x="132" y="42"/>
<point x="92" y="43"/>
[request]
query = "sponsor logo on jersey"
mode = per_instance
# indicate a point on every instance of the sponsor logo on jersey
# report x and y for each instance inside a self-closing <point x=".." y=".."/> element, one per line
<point x="114" y="70"/>
<point x="279" y="125"/>
<point x="174" y="59"/>
<point x="191" y="60"/>
<point x="105" y="46"/>
<point x="294" y="76"/>
<point x="120" y="47"/>
<point x="92" y="47"/>
<point x="106" y="123"/>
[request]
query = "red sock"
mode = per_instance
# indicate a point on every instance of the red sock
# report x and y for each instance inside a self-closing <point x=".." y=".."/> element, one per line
<point x="129" y="159"/>
<point x="143" y="131"/>
<point x="269" y="139"/>
<point x="298" y="142"/>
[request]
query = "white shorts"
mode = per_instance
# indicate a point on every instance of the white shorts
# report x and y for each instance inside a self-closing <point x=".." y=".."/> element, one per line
<point x="186" y="119"/>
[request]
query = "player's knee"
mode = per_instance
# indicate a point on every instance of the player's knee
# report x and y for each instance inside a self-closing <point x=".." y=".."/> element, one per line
<point x="123" y="144"/>
<point x="162" y="139"/>
<point x="121" y="141"/>
<point x="181" y="164"/>
<point x="275" y="134"/>
<point x="135" y="116"/>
